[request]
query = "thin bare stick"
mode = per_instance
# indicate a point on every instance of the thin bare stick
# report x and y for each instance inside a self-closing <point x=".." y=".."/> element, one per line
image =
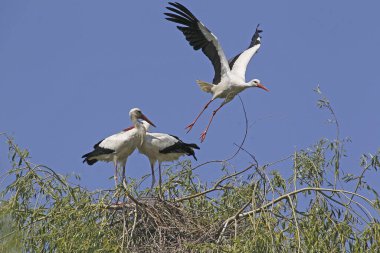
<point x="215" y="187"/>
<point x="296" y="223"/>
<point x="133" y="226"/>
<point x="124" y="228"/>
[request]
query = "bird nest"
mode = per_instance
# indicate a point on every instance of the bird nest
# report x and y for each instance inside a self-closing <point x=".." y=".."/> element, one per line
<point x="152" y="224"/>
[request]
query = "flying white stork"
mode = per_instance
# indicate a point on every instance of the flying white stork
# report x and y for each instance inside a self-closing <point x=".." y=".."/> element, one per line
<point x="229" y="77"/>
<point x="118" y="147"/>
<point x="163" y="147"/>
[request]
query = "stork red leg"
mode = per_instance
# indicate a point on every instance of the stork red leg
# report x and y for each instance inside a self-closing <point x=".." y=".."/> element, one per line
<point x="153" y="176"/>
<point x="189" y="127"/>
<point x="160" y="180"/>
<point x="115" y="176"/>
<point x="204" y="133"/>
<point x="124" y="180"/>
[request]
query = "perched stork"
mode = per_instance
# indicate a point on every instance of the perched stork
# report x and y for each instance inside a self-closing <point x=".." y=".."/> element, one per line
<point x="229" y="77"/>
<point x="118" y="147"/>
<point x="163" y="147"/>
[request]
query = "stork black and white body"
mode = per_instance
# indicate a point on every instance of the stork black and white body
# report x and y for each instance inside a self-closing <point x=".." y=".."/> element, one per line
<point x="118" y="147"/>
<point x="229" y="77"/>
<point x="163" y="147"/>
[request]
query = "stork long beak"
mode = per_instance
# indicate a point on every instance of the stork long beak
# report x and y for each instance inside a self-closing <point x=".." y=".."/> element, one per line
<point x="147" y="120"/>
<point x="262" y="87"/>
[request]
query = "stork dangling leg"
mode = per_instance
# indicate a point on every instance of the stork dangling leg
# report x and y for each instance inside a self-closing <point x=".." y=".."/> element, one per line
<point x="189" y="127"/>
<point x="204" y="133"/>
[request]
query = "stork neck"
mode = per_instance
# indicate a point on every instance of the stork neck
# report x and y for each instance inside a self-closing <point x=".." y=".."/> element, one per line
<point x="250" y="84"/>
<point x="141" y="131"/>
<point x="134" y="120"/>
<point x="138" y="125"/>
<point x="146" y="125"/>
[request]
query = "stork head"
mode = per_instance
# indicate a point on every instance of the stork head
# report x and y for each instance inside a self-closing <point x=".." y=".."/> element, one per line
<point x="257" y="83"/>
<point x="136" y="114"/>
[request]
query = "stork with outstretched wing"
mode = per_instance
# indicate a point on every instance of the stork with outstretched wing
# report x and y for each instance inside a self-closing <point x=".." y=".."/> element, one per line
<point x="229" y="76"/>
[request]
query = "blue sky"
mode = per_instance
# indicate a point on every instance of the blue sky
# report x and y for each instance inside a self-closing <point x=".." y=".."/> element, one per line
<point x="70" y="71"/>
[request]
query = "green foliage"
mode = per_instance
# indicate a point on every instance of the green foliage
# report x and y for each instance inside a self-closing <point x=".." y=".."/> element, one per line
<point x="9" y="233"/>
<point x="252" y="210"/>
<point x="50" y="213"/>
<point x="316" y="208"/>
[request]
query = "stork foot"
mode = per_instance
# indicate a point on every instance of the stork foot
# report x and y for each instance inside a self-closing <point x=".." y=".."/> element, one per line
<point x="203" y="136"/>
<point x="189" y="127"/>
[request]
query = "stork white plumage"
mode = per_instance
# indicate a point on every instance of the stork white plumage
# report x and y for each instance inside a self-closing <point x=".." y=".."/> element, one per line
<point x="118" y="147"/>
<point x="229" y="76"/>
<point x="163" y="147"/>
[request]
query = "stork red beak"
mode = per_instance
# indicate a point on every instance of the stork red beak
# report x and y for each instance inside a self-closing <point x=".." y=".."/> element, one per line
<point x="147" y="120"/>
<point x="262" y="87"/>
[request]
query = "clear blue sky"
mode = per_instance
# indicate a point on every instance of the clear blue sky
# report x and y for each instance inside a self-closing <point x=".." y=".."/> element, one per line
<point x="70" y="71"/>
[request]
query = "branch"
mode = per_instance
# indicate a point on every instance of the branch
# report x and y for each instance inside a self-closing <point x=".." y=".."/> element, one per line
<point x="286" y="196"/>
<point x="215" y="187"/>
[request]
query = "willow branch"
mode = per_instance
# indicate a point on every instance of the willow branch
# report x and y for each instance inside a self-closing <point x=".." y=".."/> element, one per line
<point x="217" y="185"/>
<point x="286" y="196"/>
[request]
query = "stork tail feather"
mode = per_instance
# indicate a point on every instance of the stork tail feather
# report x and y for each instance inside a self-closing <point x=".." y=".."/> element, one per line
<point x="205" y="86"/>
<point x="193" y="145"/>
<point x="89" y="162"/>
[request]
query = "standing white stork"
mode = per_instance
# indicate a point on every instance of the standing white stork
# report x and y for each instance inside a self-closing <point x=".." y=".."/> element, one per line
<point x="118" y="147"/>
<point x="163" y="147"/>
<point x="229" y="77"/>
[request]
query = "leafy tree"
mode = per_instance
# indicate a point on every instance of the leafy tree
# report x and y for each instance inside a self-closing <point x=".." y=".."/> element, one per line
<point x="319" y="208"/>
<point x="9" y="233"/>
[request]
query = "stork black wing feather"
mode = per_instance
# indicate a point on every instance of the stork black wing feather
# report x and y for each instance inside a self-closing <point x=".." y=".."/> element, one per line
<point x="96" y="152"/>
<point x="254" y="41"/>
<point x="181" y="147"/>
<point x="197" y="38"/>
<point x="179" y="13"/>
<point x="177" y="19"/>
<point x="184" y="9"/>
